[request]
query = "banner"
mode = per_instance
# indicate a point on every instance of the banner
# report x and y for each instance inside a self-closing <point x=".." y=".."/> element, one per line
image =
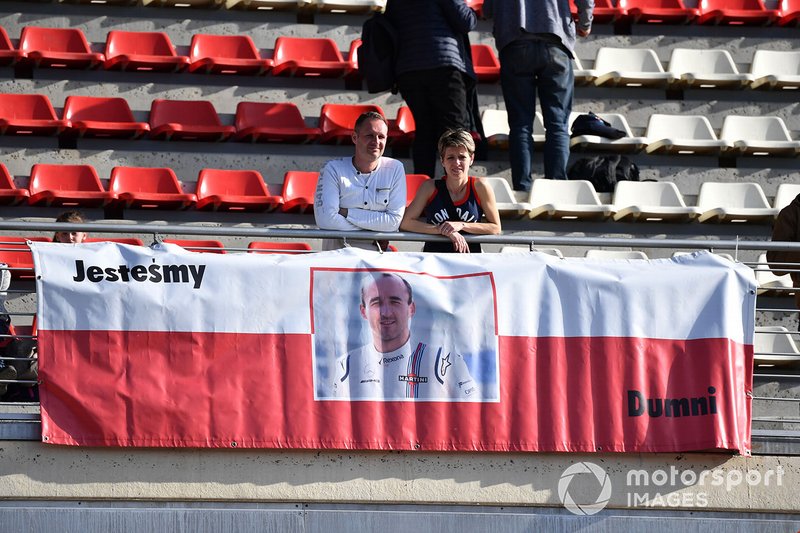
<point x="354" y="349"/>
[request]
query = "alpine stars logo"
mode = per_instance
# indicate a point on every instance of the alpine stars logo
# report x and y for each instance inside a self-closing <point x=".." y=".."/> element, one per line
<point x="566" y="481"/>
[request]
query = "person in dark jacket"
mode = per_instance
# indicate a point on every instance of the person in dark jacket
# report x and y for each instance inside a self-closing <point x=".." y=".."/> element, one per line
<point x="787" y="229"/>
<point x="434" y="69"/>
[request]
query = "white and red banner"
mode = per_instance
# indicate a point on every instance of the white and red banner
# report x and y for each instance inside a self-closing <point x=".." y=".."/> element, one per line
<point x="354" y="349"/>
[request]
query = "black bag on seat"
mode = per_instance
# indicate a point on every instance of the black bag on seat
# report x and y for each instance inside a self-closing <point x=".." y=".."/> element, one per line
<point x="591" y="124"/>
<point x="604" y="171"/>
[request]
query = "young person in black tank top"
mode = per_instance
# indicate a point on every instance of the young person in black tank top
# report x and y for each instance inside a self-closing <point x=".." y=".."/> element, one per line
<point x="455" y="204"/>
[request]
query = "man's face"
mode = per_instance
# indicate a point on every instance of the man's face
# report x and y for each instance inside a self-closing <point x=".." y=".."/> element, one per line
<point x="387" y="309"/>
<point x="370" y="140"/>
<point x="73" y="237"/>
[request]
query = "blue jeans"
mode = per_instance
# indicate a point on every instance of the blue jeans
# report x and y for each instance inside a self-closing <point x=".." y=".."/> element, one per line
<point x="528" y="67"/>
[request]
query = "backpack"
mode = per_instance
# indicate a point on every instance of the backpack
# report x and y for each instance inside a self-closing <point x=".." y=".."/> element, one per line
<point x="377" y="54"/>
<point x="604" y="171"/>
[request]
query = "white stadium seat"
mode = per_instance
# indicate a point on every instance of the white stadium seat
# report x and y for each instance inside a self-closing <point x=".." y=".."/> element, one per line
<point x="758" y="136"/>
<point x="629" y="143"/>
<point x="774" y="345"/>
<point x="651" y="201"/>
<point x="632" y="67"/>
<point x="775" y="69"/>
<point x="505" y="200"/>
<point x="682" y="134"/>
<point x="615" y="254"/>
<point x="769" y="282"/>
<point x="733" y="202"/>
<point x="566" y="199"/>
<point x="705" y="68"/>
<point x="786" y="193"/>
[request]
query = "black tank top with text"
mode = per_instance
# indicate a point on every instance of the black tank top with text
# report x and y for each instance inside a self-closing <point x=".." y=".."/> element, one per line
<point x="439" y="210"/>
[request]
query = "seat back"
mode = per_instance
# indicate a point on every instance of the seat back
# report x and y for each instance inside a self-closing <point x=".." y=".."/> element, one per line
<point x="64" y="178"/>
<point x="744" y="5"/>
<point x="774" y="340"/>
<point x="271" y="247"/>
<point x="680" y="127"/>
<point x="502" y="190"/>
<point x="484" y="56"/>
<point x="736" y="128"/>
<point x="199" y="245"/>
<point x="119" y="240"/>
<point x="227" y="46"/>
<point x="15" y="252"/>
<point x="731" y="195"/>
<point x="78" y="108"/>
<point x="37" y="39"/>
<point x="413" y="183"/>
<point x="615" y="254"/>
<point x="148" y="43"/>
<point x="213" y="182"/>
<point x="776" y="62"/>
<point x="5" y="42"/>
<point x="545" y="191"/>
<point x="405" y="120"/>
<point x="305" y="49"/>
<point x="26" y="106"/>
<point x="6" y="179"/>
<point x="256" y="114"/>
<point x="650" y="193"/>
<point x="343" y="116"/>
<point x="786" y="193"/>
<point x="685" y="60"/>
<point x="142" y="179"/>
<point x="495" y="122"/>
<point x="627" y="59"/>
<point x="300" y="185"/>
<point x="188" y="112"/>
<point x="787" y="7"/>
<point x="652" y="4"/>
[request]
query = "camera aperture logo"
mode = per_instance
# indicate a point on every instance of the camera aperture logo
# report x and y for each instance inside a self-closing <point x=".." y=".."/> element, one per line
<point x="582" y="470"/>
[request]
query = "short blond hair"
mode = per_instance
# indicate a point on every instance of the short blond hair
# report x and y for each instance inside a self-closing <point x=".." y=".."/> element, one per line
<point x="456" y="138"/>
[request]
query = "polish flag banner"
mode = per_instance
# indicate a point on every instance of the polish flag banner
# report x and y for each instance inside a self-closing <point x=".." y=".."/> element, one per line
<point x="351" y="349"/>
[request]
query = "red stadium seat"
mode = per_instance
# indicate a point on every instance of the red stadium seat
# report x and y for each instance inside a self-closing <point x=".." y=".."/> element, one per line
<point x="58" y="47"/>
<point x="477" y="6"/>
<point x="604" y="11"/>
<point x="659" y="11"/>
<point x="297" y="56"/>
<point x="413" y="182"/>
<point x="203" y="246"/>
<point x="234" y="190"/>
<point x="90" y="116"/>
<point x="28" y="114"/>
<point x="187" y="120"/>
<point x="735" y="12"/>
<point x="15" y="253"/>
<point x="336" y="121"/>
<point x="298" y="191"/>
<point x="9" y="193"/>
<point x="485" y="62"/>
<point x="8" y="54"/>
<point x="142" y="50"/>
<point x="67" y="185"/>
<point x="120" y="240"/>
<point x="402" y="128"/>
<point x="789" y="13"/>
<point x="352" y="56"/>
<point x="272" y="122"/>
<point x="226" y="54"/>
<point x="148" y="188"/>
<point x="271" y="247"/>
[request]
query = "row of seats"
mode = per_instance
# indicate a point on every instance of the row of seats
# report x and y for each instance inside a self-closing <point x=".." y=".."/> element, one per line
<point x="729" y="12"/>
<point x="297" y="56"/>
<point x="690" y="67"/>
<point x="724" y="12"/>
<point x="245" y="190"/>
<point x="159" y="188"/>
<point x="188" y="120"/>
<point x="323" y="6"/>
<point x="645" y="201"/>
<point x="667" y="134"/>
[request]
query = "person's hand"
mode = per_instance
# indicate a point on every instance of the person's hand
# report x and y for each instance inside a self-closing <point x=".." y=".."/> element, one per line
<point x="584" y="33"/>
<point x="449" y="227"/>
<point x="459" y="243"/>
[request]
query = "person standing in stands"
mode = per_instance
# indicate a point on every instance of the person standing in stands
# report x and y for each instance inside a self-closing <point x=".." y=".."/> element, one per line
<point x="536" y="40"/>
<point x="787" y="229"/>
<point x="364" y="192"/>
<point x="455" y="204"/>
<point x="70" y="237"/>
<point x="434" y="69"/>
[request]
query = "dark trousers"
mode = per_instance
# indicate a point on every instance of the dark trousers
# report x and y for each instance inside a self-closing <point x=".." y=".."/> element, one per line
<point x="438" y="100"/>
